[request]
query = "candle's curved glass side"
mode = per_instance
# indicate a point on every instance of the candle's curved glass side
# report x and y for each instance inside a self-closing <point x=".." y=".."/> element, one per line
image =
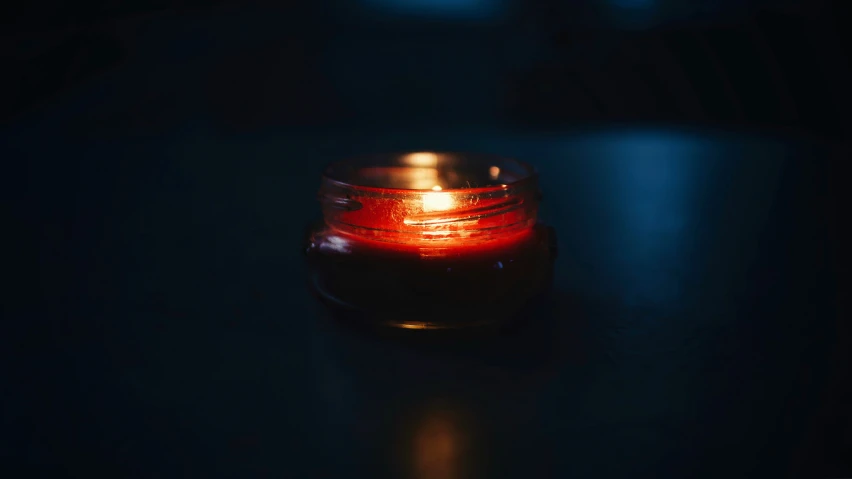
<point x="430" y="199"/>
<point x="433" y="240"/>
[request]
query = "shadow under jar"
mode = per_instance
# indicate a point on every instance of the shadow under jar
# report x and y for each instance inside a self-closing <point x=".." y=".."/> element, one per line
<point x="430" y="240"/>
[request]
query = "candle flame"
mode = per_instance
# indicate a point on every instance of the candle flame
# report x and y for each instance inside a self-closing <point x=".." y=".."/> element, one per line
<point x="494" y="172"/>
<point x="437" y="201"/>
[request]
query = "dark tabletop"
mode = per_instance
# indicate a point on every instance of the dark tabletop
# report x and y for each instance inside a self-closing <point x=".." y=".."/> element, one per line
<point x="694" y="327"/>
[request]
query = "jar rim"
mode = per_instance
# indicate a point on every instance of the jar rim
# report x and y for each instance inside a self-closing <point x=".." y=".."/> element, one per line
<point x="504" y="172"/>
<point x="391" y="197"/>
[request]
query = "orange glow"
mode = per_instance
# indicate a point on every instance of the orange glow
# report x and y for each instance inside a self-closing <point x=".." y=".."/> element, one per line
<point x="494" y="172"/>
<point x="437" y="201"/>
<point x="422" y="213"/>
<point x="422" y="179"/>
<point x="412" y="326"/>
<point x="438" y="448"/>
<point x="421" y="159"/>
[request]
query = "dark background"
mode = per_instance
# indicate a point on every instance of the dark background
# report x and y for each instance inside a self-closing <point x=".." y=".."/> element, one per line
<point x="772" y="63"/>
<point x="160" y="161"/>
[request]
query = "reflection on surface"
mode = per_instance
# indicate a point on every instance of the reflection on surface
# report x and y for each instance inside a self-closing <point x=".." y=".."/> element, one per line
<point x="413" y="325"/>
<point x="337" y="244"/>
<point x="422" y="159"/>
<point x="420" y="178"/>
<point x="439" y="445"/>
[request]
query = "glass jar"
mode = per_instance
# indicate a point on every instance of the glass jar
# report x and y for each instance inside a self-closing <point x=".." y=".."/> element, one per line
<point x="429" y="240"/>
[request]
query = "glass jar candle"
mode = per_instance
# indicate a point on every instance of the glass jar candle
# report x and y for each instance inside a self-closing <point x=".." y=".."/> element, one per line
<point x="430" y="240"/>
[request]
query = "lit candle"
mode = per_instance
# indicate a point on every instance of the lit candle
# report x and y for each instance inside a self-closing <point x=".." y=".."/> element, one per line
<point x="428" y="231"/>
